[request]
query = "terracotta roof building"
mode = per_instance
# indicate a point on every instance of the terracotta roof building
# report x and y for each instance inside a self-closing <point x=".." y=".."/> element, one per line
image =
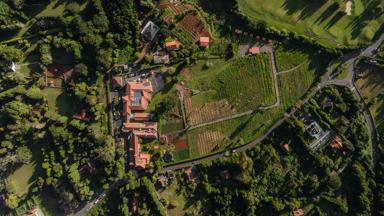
<point x="172" y="45"/>
<point x="82" y="116"/>
<point x="204" y="42"/>
<point x="255" y="50"/>
<point x="337" y="143"/>
<point x="34" y="212"/>
<point x="189" y="175"/>
<point x="298" y="212"/>
<point x="118" y="81"/>
<point x="136" y="100"/>
<point x="285" y="147"/>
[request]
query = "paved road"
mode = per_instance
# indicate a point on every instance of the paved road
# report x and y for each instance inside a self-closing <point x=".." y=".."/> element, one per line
<point x="100" y="195"/>
<point x="350" y="60"/>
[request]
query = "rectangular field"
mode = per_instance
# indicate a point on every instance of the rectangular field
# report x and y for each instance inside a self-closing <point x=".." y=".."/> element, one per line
<point x="229" y="87"/>
<point x="219" y="136"/>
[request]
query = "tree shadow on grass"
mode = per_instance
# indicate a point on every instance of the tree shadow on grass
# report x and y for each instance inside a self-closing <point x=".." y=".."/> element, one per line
<point x="306" y="8"/>
<point x="65" y="105"/>
<point x="372" y="11"/>
<point x="335" y="19"/>
<point x="328" y="13"/>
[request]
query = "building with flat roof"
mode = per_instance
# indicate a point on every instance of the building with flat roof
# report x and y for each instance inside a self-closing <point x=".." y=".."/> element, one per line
<point x="150" y="30"/>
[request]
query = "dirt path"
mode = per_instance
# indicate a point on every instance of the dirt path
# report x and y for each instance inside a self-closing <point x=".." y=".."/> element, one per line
<point x="276" y="104"/>
<point x="292" y="69"/>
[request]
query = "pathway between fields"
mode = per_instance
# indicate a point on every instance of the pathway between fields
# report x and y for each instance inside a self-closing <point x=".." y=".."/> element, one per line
<point x="276" y="104"/>
<point x="292" y="69"/>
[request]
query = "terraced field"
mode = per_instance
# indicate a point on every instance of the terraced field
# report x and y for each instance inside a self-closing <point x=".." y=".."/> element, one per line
<point x="240" y="84"/>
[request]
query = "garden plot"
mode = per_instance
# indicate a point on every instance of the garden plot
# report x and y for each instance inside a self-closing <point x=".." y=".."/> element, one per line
<point x="228" y="87"/>
<point x="208" y="141"/>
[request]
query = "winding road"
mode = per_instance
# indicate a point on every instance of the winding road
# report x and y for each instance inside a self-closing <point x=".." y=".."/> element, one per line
<point x="350" y="60"/>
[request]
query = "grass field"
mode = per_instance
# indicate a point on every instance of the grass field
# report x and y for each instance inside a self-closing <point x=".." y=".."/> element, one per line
<point x="173" y="197"/>
<point x="20" y="179"/>
<point x="59" y="102"/>
<point x="324" y="21"/>
<point x="244" y="82"/>
<point x="372" y="88"/>
<point x="288" y="59"/>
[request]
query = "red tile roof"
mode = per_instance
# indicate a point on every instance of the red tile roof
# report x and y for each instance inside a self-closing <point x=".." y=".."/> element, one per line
<point x="138" y="96"/>
<point x="298" y="212"/>
<point x="117" y="81"/>
<point x="286" y="147"/>
<point x="204" y="42"/>
<point x="254" y="50"/>
<point x="172" y="45"/>
<point x="337" y="143"/>
<point x="82" y="116"/>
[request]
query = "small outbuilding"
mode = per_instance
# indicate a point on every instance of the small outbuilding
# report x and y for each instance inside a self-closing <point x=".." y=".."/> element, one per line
<point x="205" y="42"/>
<point x="172" y="45"/>
<point x="255" y="50"/>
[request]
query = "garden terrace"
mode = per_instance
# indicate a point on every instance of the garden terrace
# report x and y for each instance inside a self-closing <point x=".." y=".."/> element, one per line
<point x="237" y="85"/>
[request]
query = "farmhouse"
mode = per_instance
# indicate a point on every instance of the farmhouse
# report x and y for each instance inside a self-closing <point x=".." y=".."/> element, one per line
<point x="138" y="96"/>
<point x="172" y="45"/>
<point x="204" y="42"/>
<point x="255" y="50"/>
<point x="150" y="30"/>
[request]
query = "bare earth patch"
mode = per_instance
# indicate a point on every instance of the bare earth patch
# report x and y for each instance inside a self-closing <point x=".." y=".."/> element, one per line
<point x="207" y="141"/>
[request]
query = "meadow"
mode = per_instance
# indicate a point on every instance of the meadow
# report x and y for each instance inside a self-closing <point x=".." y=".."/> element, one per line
<point x="322" y="20"/>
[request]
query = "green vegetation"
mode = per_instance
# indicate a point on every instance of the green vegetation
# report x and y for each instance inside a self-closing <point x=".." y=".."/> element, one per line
<point x="268" y="180"/>
<point x="324" y="21"/>
<point x="234" y="132"/>
<point x="20" y="180"/>
<point x="244" y="82"/>
<point x="371" y="86"/>
<point x="175" y="198"/>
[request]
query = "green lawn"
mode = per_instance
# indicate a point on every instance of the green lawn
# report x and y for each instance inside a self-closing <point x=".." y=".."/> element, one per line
<point x="20" y="179"/>
<point x="288" y="59"/>
<point x="324" y="21"/>
<point x="244" y="82"/>
<point x="59" y="101"/>
<point x="175" y="198"/>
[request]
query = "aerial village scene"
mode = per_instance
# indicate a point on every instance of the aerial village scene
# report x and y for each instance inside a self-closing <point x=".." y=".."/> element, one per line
<point x="191" y="107"/>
